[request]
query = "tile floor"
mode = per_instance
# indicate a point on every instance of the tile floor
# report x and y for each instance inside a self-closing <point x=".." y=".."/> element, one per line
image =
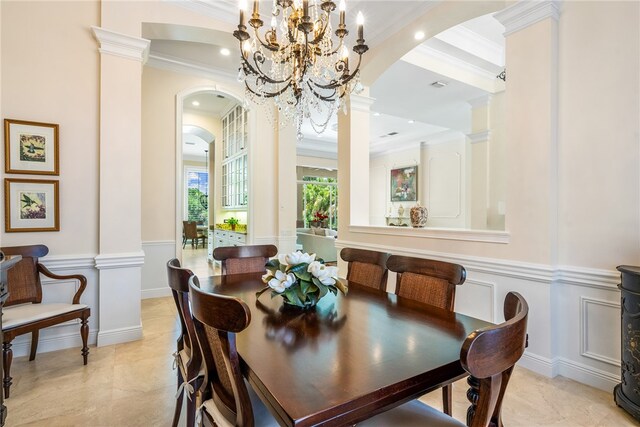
<point x="133" y="384"/>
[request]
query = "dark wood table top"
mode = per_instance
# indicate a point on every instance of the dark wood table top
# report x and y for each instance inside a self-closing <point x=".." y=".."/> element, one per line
<point x="351" y="358"/>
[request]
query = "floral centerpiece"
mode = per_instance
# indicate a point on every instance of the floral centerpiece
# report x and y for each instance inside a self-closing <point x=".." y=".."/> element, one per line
<point x="301" y="279"/>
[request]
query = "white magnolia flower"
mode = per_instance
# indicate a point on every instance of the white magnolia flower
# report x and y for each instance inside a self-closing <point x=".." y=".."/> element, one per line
<point x="296" y="258"/>
<point x="282" y="281"/>
<point x="323" y="273"/>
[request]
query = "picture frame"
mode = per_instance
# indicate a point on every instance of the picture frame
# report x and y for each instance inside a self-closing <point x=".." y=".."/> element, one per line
<point x="404" y="184"/>
<point x="31" y="205"/>
<point x="31" y="147"/>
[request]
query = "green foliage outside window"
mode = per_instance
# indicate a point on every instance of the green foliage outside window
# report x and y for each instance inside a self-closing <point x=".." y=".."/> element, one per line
<point x="320" y="195"/>
<point x="195" y="210"/>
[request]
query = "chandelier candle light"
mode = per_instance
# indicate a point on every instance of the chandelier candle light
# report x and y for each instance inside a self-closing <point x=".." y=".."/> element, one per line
<point x="297" y="62"/>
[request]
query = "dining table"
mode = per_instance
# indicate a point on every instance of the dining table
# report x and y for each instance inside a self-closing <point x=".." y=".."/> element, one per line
<point x="349" y="358"/>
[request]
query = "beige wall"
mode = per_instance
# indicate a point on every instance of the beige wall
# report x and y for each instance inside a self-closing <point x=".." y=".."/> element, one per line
<point x="51" y="75"/>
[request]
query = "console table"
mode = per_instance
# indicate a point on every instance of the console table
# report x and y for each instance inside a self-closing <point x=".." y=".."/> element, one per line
<point x="5" y="264"/>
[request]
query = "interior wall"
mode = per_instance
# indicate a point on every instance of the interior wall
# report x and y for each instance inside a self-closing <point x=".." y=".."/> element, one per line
<point x="498" y="178"/>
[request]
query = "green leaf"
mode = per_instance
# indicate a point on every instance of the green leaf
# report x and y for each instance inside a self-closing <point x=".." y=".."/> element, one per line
<point x="304" y="286"/>
<point x="274" y="263"/>
<point x="299" y="268"/>
<point x="293" y="297"/>
<point x="323" y="290"/>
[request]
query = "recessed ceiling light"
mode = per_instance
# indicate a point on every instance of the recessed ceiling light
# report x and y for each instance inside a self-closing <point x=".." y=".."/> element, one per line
<point x="224" y="51"/>
<point x="195" y="103"/>
<point x="376" y="114"/>
<point x="419" y="35"/>
<point x="439" y="84"/>
<point x="411" y="122"/>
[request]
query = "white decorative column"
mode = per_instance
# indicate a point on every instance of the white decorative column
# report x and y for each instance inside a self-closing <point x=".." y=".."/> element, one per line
<point x="353" y="162"/>
<point x="531" y="31"/>
<point x="479" y="161"/>
<point x="287" y="185"/>
<point x="120" y="255"/>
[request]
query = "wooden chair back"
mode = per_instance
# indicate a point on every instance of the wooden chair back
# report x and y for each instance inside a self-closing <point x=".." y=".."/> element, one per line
<point x="426" y="280"/>
<point x="217" y="319"/>
<point x="367" y="268"/>
<point x="190" y="229"/>
<point x="179" y="284"/>
<point x="490" y="354"/>
<point x="24" y="278"/>
<point x="244" y="259"/>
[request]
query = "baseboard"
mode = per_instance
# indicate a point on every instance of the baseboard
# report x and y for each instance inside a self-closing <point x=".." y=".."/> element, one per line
<point x="156" y="292"/>
<point x="58" y="342"/>
<point x="539" y="364"/>
<point x="588" y="374"/>
<point x="117" y="336"/>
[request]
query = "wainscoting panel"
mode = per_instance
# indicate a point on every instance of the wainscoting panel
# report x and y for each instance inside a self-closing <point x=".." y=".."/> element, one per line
<point x="477" y="298"/>
<point x="67" y="334"/>
<point x="154" y="270"/>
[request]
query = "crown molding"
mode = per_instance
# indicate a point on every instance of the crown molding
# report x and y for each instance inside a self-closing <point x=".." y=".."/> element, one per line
<point x="121" y="45"/>
<point x="361" y="102"/>
<point x="477" y="137"/>
<point x="310" y="152"/>
<point x="481" y="101"/>
<point x="463" y="38"/>
<point x="452" y="60"/>
<point x="170" y="63"/>
<point x="527" y="12"/>
<point x="223" y="10"/>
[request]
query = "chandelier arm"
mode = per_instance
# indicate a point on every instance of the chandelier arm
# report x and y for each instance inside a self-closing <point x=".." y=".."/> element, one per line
<point x="322" y="33"/>
<point x="335" y="84"/>
<point x="263" y="43"/>
<point x="267" y="94"/>
<point x="319" y="95"/>
<point x="257" y="71"/>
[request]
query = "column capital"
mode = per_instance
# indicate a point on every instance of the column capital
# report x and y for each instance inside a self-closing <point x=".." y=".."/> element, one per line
<point x="481" y="101"/>
<point x="122" y="45"/>
<point x="361" y="102"/>
<point x="527" y="12"/>
<point x="478" y="137"/>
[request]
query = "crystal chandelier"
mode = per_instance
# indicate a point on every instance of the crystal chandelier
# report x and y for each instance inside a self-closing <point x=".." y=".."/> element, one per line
<point x="297" y="62"/>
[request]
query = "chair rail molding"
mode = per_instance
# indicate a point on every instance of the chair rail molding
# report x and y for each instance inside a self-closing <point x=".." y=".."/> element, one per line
<point x="526" y="13"/>
<point x="488" y="236"/>
<point x="120" y="260"/>
<point x="121" y="45"/>
<point x="69" y="262"/>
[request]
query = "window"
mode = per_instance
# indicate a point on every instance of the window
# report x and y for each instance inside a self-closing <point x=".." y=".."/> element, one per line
<point x="320" y="200"/>
<point x="197" y="190"/>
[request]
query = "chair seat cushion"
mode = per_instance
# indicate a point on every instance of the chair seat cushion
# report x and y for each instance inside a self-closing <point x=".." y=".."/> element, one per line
<point x="185" y="356"/>
<point x="28" y="313"/>
<point x="413" y="413"/>
<point x="261" y="415"/>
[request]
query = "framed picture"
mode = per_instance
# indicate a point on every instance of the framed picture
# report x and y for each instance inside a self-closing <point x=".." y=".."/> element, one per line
<point x="404" y="184"/>
<point x="31" y="205"/>
<point x="30" y="147"/>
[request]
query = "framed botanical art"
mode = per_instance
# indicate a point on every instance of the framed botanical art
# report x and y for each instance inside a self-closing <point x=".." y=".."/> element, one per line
<point x="31" y="205"/>
<point x="30" y="147"/>
<point x="404" y="184"/>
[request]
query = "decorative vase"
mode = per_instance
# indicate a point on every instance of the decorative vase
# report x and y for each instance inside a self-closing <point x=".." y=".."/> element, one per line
<point x="418" y="216"/>
<point x="400" y="210"/>
<point x="233" y="227"/>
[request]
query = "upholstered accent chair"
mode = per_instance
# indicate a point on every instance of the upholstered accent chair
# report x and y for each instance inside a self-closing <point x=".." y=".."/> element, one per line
<point x="24" y="312"/>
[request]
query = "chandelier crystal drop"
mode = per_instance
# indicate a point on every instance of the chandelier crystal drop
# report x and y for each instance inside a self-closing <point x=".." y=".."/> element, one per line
<point x="297" y="62"/>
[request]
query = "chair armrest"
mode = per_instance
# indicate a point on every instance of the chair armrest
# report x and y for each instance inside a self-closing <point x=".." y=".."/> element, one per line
<point x="83" y="280"/>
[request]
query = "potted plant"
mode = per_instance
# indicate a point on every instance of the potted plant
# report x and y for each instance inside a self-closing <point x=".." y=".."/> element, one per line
<point x="233" y="222"/>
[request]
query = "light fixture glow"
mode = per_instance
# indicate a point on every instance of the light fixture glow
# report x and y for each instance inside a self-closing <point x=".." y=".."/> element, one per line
<point x="411" y="122"/>
<point x="419" y="35"/>
<point x="224" y="51"/>
<point x="195" y="103"/>
<point x="376" y="114"/>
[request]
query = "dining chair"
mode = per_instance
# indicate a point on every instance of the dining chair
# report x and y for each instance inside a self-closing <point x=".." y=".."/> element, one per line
<point x="431" y="282"/>
<point x="367" y="268"/>
<point x="244" y="259"/>
<point x="488" y="355"/>
<point x="188" y="358"/>
<point x="190" y="231"/>
<point x="24" y="312"/>
<point x="226" y="399"/>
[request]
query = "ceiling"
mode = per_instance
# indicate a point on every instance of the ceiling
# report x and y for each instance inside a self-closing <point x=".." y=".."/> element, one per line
<point x="402" y="93"/>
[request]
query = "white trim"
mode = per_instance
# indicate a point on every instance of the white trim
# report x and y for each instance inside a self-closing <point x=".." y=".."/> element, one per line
<point x="478" y="137"/>
<point x="55" y="343"/>
<point x="541" y="365"/>
<point x="155" y="293"/>
<point x="361" y="102"/>
<point x="307" y="152"/>
<point x="69" y="262"/>
<point x="120" y="260"/>
<point x="158" y="242"/>
<point x="527" y="12"/>
<point x="435" y="54"/>
<point x="170" y="63"/>
<point x="120" y="335"/>
<point x="584" y="324"/>
<point x="589" y="277"/>
<point x="488" y="236"/>
<point x="467" y="40"/>
<point x="587" y="374"/>
<point x="481" y="101"/>
<point x="121" y="45"/>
